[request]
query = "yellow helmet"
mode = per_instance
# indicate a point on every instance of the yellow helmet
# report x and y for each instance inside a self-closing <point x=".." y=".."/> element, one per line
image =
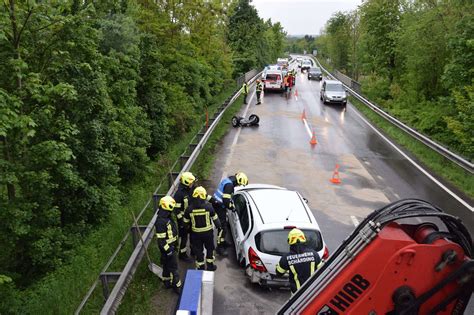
<point x="296" y="236"/>
<point x="242" y="179"/>
<point x="167" y="203"/>
<point x="200" y="192"/>
<point x="187" y="178"/>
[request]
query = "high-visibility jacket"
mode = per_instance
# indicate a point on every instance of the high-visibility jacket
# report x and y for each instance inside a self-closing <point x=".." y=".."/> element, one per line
<point x="181" y="197"/>
<point x="201" y="216"/>
<point x="245" y="88"/>
<point x="301" y="263"/>
<point x="259" y="87"/>
<point x="166" y="231"/>
<point x="224" y="192"/>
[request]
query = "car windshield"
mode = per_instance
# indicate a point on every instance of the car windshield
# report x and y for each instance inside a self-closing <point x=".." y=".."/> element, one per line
<point x="315" y="70"/>
<point x="275" y="242"/>
<point x="273" y="77"/>
<point x="307" y="62"/>
<point x="334" y="87"/>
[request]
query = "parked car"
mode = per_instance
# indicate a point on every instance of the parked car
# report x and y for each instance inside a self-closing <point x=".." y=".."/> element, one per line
<point x="273" y="79"/>
<point x="263" y="217"/>
<point x="315" y="73"/>
<point x="332" y="91"/>
<point x="283" y="62"/>
<point x="306" y="64"/>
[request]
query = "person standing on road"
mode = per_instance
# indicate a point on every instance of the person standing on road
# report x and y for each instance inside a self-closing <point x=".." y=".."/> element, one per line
<point x="222" y="200"/>
<point x="286" y="82"/>
<point x="167" y="235"/>
<point x="301" y="262"/>
<point x="182" y="196"/>
<point x="245" y="91"/>
<point x="259" y="89"/>
<point x="199" y="215"/>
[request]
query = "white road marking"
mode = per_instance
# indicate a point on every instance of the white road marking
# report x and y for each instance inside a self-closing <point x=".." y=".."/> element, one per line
<point x="354" y="220"/>
<point x="379" y="177"/>
<point x="421" y="169"/>
<point x="396" y="195"/>
<point x="308" y="129"/>
<point x="236" y="138"/>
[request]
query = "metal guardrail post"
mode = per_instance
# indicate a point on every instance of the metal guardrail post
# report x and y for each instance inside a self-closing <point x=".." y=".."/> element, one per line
<point x="135" y="235"/>
<point x="105" y="279"/>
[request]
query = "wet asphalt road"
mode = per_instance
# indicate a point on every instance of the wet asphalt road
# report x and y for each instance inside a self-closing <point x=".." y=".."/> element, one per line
<point x="278" y="152"/>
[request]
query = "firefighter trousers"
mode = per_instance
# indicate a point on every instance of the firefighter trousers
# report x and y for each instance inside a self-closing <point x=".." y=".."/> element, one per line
<point x="222" y="215"/>
<point x="199" y="241"/>
<point x="170" y="269"/>
<point x="183" y="237"/>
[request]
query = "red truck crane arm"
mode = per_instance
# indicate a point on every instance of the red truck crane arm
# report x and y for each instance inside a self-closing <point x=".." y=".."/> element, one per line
<point x="408" y="257"/>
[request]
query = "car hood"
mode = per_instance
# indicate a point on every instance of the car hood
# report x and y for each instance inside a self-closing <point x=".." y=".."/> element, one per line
<point x="334" y="93"/>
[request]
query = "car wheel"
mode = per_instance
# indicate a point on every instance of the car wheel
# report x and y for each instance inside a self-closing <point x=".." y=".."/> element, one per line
<point x="254" y="119"/>
<point x="235" y="121"/>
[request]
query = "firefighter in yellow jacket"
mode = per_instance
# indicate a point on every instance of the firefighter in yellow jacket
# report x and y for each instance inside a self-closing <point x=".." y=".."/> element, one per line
<point x="167" y="235"/>
<point x="201" y="217"/>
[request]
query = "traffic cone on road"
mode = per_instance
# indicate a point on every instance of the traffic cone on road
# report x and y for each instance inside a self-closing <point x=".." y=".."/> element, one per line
<point x="313" y="139"/>
<point x="296" y="92"/>
<point x="303" y="115"/>
<point x="336" y="179"/>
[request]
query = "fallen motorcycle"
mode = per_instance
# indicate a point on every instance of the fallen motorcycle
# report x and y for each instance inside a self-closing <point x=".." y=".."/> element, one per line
<point x="238" y="121"/>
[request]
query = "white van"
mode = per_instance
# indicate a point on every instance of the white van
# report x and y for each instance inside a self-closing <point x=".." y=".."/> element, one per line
<point x="273" y="80"/>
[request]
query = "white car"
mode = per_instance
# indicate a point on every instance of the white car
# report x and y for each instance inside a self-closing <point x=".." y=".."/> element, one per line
<point x="273" y="79"/>
<point x="263" y="217"/>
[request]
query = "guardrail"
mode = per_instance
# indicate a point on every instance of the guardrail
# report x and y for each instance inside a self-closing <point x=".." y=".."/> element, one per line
<point x="123" y="278"/>
<point x="455" y="158"/>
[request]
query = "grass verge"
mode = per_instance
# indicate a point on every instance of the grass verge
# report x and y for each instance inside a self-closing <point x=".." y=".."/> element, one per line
<point x="435" y="162"/>
<point x="61" y="291"/>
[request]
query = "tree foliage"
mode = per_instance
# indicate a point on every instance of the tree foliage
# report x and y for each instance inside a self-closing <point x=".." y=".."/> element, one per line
<point x="415" y="58"/>
<point x="90" y="92"/>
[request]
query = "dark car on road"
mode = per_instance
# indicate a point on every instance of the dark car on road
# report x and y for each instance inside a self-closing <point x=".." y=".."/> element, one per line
<point x="315" y="73"/>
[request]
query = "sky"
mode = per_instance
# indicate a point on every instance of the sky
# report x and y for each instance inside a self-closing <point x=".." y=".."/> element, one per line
<point x="301" y="17"/>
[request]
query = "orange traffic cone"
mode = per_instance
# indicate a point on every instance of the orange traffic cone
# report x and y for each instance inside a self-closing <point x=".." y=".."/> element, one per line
<point x="313" y="139"/>
<point x="296" y="92"/>
<point x="336" y="179"/>
<point x="303" y="115"/>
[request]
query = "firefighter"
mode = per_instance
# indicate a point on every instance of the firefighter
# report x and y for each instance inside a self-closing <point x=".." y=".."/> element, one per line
<point x="182" y="197"/>
<point x="245" y="91"/>
<point x="259" y="89"/>
<point x="222" y="200"/>
<point x="167" y="235"/>
<point x="198" y="216"/>
<point x="301" y="262"/>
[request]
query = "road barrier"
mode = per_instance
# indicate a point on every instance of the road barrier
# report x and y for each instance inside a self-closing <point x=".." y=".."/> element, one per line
<point x="354" y="89"/>
<point x="123" y="278"/>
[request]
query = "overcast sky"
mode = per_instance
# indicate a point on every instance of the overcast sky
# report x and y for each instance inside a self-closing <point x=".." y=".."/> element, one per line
<point x="300" y="17"/>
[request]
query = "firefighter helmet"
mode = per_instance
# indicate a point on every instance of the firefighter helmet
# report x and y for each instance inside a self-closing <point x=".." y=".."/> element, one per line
<point x="167" y="203"/>
<point x="296" y="236"/>
<point x="187" y="178"/>
<point x="241" y="179"/>
<point x="200" y="192"/>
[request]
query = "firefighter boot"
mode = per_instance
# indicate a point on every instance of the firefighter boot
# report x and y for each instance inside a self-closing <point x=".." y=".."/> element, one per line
<point x="184" y="257"/>
<point x="221" y="250"/>
<point x="211" y="267"/>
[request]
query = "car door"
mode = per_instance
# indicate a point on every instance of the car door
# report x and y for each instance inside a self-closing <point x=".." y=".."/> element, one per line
<point x="240" y="223"/>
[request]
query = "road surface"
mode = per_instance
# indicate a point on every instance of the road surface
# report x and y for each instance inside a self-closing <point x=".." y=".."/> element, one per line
<point x="278" y="152"/>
